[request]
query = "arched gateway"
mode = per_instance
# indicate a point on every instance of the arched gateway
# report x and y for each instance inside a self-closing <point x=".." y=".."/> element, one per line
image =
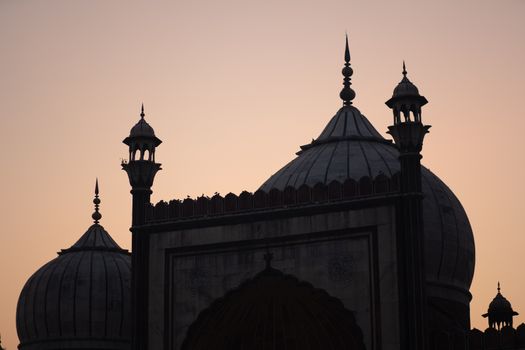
<point x="275" y="311"/>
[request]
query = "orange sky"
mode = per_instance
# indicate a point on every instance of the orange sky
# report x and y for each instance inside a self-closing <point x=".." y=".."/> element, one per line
<point x="233" y="88"/>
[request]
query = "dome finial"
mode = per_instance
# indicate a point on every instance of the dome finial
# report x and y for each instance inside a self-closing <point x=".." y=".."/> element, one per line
<point x="96" y="215"/>
<point x="499" y="287"/>
<point x="404" y="69"/>
<point x="347" y="94"/>
<point x="142" y="111"/>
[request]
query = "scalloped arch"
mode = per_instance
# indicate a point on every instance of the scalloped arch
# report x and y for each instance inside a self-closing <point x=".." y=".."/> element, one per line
<point x="275" y="311"/>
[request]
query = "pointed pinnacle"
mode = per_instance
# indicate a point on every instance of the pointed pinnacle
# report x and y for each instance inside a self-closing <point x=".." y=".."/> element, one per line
<point x="347" y="51"/>
<point x="347" y="94"/>
<point x="404" y="69"/>
<point x="142" y="111"/>
<point x="498" y="287"/>
<point x="96" y="201"/>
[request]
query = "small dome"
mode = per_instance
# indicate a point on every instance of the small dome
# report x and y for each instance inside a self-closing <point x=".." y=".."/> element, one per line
<point x="500" y="304"/>
<point x="142" y="128"/>
<point x="79" y="300"/>
<point x="297" y="316"/>
<point x="142" y="136"/>
<point x="405" y="88"/>
<point x="500" y="312"/>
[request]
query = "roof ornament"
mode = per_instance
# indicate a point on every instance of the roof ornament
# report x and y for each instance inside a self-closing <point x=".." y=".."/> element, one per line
<point x="268" y="258"/>
<point x="142" y="112"/>
<point x="404" y="69"/>
<point x="96" y="215"/>
<point x="499" y="288"/>
<point x="347" y="94"/>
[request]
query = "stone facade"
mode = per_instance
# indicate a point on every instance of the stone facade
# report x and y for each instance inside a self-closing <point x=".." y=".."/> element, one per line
<point x="349" y="253"/>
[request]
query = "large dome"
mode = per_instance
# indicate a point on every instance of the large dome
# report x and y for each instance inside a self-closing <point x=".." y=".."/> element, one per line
<point x="350" y="147"/>
<point x="79" y="300"/>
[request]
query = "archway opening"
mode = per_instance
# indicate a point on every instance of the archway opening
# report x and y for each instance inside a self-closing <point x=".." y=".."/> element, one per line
<point x="275" y="311"/>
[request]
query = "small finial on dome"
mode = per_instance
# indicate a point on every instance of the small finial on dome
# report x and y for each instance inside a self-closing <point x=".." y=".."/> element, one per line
<point x="96" y="215"/>
<point x="499" y="287"/>
<point x="347" y="94"/>
<point x="404" y="69"/>
<point x="142" y="112"/>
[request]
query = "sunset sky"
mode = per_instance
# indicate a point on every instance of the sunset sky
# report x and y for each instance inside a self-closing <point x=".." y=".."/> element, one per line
<point x="233" y="88"/>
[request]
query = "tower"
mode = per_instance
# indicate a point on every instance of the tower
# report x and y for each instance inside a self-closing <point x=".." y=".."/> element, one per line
<point x="141" y="166"/>
<point x="141" y="169"/>
<point x="408" y="136"/>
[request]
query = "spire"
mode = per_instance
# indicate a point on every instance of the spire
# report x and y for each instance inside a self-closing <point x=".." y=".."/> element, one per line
<point x="142" y="112"/>
<point x="404" y="69"/>
<point x="96" y="215"/>
<point x="347" y="94"/>
<point x="347" y="51"/>
<point x="499" y="289"/>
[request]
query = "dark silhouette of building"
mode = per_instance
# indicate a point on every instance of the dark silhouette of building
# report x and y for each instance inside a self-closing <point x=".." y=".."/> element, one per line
<point x="141" y="169"/>
<point x="500" y="334"/>
<point x="81" y="299"/>
<point x="286" y="306"/>
<point x="369" y="230"/>
<point x="500" y="312"/>
<point x="351" y="245"/>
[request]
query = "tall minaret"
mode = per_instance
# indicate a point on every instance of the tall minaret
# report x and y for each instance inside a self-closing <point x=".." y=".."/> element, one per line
<point x="141" y="166"/>
<point x="141" y="169"/>
<point x="408" y="133"/>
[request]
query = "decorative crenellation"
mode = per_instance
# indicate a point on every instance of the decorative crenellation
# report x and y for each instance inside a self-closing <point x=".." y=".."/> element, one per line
<point x="506" y="338"/>
<point x="260" y="200"/>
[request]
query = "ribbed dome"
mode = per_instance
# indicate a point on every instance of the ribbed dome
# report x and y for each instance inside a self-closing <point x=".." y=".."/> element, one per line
<point x="500" y="304"/>
<point x="350" y="147"/>
<point x="275" y="311"/>
<point x="142" y="128"/>
<point x="405" y="88"/>
<point x="79" y="300"/>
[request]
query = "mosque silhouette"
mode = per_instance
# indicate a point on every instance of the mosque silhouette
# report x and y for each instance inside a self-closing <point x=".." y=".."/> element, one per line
<point x="351" y="245"/>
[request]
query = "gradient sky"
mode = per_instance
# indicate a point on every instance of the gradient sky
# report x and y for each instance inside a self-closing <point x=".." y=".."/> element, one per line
<point x="233" y="87"/>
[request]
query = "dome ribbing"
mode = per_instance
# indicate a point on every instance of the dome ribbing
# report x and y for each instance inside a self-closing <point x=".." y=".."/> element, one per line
<point x="79" y="300"/>
<point x="351" y="148"/>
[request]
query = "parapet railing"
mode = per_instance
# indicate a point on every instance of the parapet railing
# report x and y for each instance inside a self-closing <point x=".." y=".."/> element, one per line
<point x="275" y="198"/>
<point x="506" y="338"/>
